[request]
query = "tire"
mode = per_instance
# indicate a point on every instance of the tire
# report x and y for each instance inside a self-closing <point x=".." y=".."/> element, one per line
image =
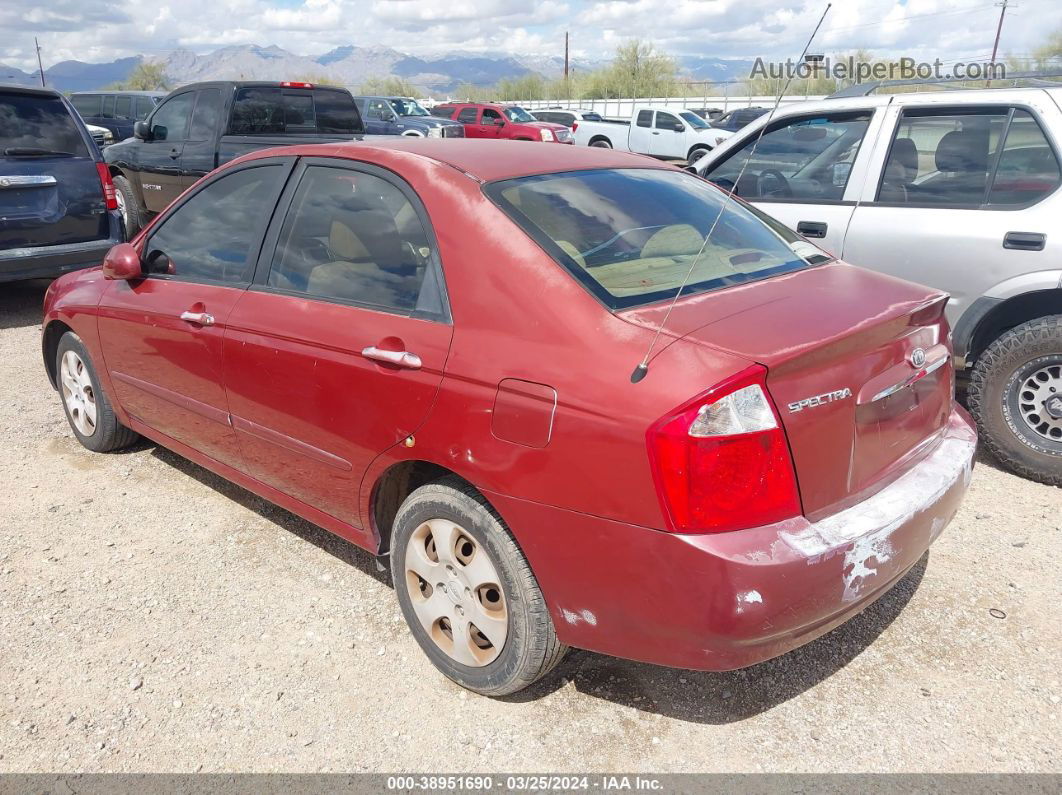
<point x="132" y="215"/>
<point x="602" y="143"/>
<point x="696" y="155"/>
<point x="1009" y="394"/>
<point x="455" y="511"/>
<point x="76" y="375"/>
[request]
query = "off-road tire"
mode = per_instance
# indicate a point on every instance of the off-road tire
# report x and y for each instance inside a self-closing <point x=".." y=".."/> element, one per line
<point x="109" y="434"/>
<point x="1008" y="437"/>
<point x="133" y="218"/>
<point x="531" y="649"/>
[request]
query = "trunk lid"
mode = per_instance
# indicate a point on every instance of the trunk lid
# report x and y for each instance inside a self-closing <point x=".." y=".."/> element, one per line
<point x="844" y="349"/>
<point x="50" y="190"/>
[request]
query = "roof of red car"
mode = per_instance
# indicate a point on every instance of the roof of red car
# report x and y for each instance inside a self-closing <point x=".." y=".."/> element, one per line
<point x="486" y="160"/>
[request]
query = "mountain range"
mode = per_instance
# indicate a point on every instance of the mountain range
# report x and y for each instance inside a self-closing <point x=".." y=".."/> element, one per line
<point x="348" y="65"/>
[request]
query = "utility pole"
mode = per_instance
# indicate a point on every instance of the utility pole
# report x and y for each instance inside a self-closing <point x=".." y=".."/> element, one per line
<point x="39" y="64"/>
<point x="999" y="29"/>
<point x="565" y="55"/>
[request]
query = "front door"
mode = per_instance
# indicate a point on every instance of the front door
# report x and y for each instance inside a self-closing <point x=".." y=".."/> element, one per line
<point x="668" y="138"/>
<point x="806" y="171"/>
<point x="160" y="155"/>
<point x="491" y="124"/>
<point x="470" y="118"/>
<point x="337" y="351"/>
<point x="162" y="335"/>
<point x="380" y="117"/>
<point x="199" y="156"/>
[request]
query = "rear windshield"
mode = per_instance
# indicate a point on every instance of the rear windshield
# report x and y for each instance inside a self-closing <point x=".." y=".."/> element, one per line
<point x="267" y="110"/>
<point x="36" y="125"/>
<point x="631" y="236"/>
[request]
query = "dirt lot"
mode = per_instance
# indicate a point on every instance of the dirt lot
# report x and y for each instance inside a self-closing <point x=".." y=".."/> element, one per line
<point x="157" y="618"/>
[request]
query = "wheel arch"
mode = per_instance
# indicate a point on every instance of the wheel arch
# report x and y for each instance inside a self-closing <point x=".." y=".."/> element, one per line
<point x="397" y="482"/>
<point x="993" y="317"/>
<point x="53" y="332"/>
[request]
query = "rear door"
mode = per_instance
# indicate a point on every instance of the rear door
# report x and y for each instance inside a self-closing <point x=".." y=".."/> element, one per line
<point x="162" y="335"/>
<point x="200" y="152"/>
<point x="641" y="132"/>
<point x="805" y="170"/>
<point x="337" y="351"/>
<point x="961" y="198"/>
<point x="160" y="156"/>
<point x="50" y="190"/>
<point x="470" y="118"/>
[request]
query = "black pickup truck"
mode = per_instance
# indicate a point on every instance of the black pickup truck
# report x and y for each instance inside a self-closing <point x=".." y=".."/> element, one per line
<point x="198" y="127"/>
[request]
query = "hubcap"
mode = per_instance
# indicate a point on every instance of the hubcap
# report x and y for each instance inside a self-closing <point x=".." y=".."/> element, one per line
<point x="1039" y="399"/>
<point x="78" y="394"/>
<point x="456" y="593"/>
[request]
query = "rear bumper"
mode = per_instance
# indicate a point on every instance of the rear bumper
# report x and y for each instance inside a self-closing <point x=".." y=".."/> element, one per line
<point x="47" y="261"/>
<point x="729" y="600"/>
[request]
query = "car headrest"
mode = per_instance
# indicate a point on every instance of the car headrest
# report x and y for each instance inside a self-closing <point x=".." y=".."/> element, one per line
<point x="672" y="241"/>
<point x="961" y="150"/>
<point x="905" y="153"/>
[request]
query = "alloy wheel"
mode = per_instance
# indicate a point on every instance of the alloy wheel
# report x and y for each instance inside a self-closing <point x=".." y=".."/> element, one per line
<point x="78" y="393"/>
<point x="456" y="593"/>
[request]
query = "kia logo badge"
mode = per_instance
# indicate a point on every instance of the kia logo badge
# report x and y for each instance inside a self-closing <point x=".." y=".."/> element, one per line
<point x="918" y="357"/>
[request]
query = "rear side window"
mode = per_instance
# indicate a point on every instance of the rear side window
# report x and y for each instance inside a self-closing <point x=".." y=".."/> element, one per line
<point x="144" y="106"/>
<point x="444" y="111"/>
<point x="206" y="116"/>
<point x="88" y="105"/>
<point x="107" y="106"/>
<point x="631" y="236"/>
<point x="38" y="125"/>
<point x="123" y="108"/>
<point x="213" y="235"/>
<point x="467" y="116"/>
<point x="354" y="237"/>
<point x="268" y="110"/>
<point x="645" y="118"/>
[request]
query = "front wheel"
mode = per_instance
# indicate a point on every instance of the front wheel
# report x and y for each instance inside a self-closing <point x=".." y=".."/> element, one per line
<point x="1015" y="395"/>
<point x="467" y="592"/>
<point x="696" y="155"/>
<point x="88" y="410"/>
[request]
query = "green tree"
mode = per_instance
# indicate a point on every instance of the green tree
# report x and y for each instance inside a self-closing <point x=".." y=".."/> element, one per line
<point x="145" y="77"/>
<point x="317" y="80"/>
<point x="638" y="70"/>
<point x="389" y="86"/>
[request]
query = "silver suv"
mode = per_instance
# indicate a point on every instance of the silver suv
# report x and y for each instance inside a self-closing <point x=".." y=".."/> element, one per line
<point x="955" y="189"/>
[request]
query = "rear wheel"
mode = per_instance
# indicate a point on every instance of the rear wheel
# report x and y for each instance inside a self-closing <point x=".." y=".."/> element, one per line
<point x="87" y="407"/>
<point x="132" y="216"/>
<point x="467" y="592"/>
<point x="1015" y="395"/>
<point x="601" y="143"/>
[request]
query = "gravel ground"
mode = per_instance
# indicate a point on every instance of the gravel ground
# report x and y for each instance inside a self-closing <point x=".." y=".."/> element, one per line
<point x="157" y="618"/>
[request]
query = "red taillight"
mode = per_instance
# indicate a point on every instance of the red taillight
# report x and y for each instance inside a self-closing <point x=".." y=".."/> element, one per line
<point x="575" y="126"/>
<point x="721" y="462"/>
<point x="110" y="200"/>
<point x="295" y="84"/>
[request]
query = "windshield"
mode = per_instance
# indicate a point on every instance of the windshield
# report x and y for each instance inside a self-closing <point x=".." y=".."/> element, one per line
<point x="631" y="235"/>
<point x="518" y="115"/>
<point x="32" y="124"/>
<point x="695" y="121"/>
<point x="408" y="107"/>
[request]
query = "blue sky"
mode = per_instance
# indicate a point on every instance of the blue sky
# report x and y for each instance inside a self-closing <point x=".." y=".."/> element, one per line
<point x="955" y="30"/>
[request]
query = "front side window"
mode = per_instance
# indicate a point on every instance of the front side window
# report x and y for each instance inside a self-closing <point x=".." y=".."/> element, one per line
<point x="35" y="124"/>
<point x="665" y="121"/>
<point x="491" y="116"/>
<point x="354" y="237"/>
<point x="798" y="159"/>
<point x="631" y="236"/>
<point x="170" y="121"/>
<point x="405" y="106"/>
<point x="378" y="109"/>
<point x="214" y="234"/>
<point x="144" y="106"/>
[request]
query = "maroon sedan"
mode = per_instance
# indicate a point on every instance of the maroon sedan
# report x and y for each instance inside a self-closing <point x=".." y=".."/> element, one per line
<point x="427" y="347"/>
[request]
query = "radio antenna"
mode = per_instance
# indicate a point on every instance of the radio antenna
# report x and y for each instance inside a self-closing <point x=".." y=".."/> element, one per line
<point x="643" y="367"/>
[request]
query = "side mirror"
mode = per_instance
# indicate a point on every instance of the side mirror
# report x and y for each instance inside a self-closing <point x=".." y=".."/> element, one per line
<point x="141" y="131"/>
<point x="123" y="263"/>
<point x="499" y="122"/>
<point x="680" y="127"/>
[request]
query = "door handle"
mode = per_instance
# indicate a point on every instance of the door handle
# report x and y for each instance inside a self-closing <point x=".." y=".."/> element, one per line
<point x="174" y="154"/>
<point x="656" y="132"/>
<point x="812" y="228"/>
<point x="1025" y="241"/>
<point x="199" y="318"/>
<point x="409" y="361"/>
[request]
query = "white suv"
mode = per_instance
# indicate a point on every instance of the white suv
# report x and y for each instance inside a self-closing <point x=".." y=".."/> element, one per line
<point x="955" y="189"/>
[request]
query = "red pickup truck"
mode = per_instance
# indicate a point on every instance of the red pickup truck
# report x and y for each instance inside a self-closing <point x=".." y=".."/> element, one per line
<point x="487" y="120"/>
